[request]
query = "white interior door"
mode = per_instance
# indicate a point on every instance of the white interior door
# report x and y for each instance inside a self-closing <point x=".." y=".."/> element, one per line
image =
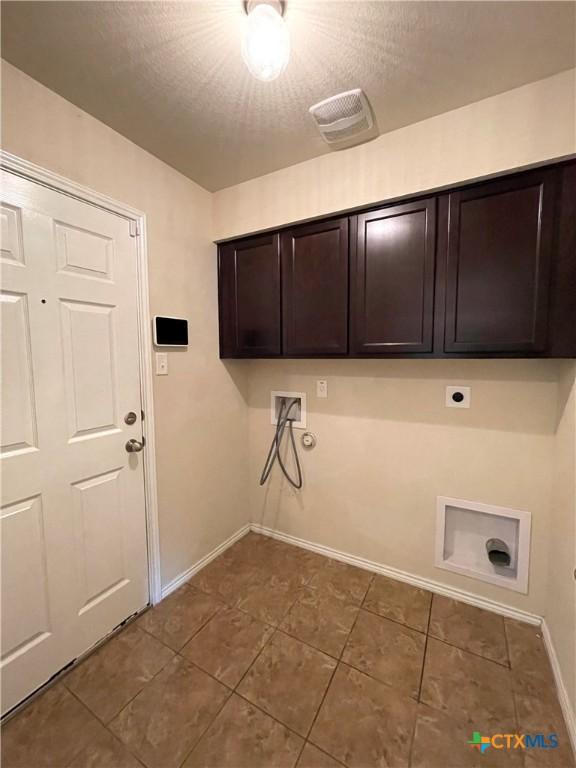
<point x="73" y="524"/>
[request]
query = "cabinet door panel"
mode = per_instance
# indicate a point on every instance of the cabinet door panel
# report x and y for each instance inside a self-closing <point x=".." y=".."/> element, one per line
<point x="249" y="277"/>
<point x="393" y="279"/>
<point x="562" y="325"/>
<point x="498" y="265"/>
<point x="315" y="288"/>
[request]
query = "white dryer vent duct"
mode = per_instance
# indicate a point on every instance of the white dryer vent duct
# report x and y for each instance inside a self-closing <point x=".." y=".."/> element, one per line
<point x="345" y="119"/>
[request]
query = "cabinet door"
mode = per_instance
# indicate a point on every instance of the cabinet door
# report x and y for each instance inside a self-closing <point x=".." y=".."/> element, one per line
<point x="249" y="297"/>
<point x="315" y="288"/>
<point x="498" y="265"/>
<point x="392" y="286"/>
<point x="562" y="323"/>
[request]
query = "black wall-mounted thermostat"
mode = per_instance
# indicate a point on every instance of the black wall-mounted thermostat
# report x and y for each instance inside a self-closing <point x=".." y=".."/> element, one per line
<point x="170" y="331"/>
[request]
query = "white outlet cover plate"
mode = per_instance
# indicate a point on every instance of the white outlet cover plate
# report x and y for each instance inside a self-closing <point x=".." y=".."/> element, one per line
<point x="289" y="396"/>
<point x="321" y="388"/>
<point x="451" y="390"/>
<point x="161" y="363"/>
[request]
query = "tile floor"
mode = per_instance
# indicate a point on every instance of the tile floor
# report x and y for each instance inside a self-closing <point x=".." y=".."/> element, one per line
<point x="275" y="657"/>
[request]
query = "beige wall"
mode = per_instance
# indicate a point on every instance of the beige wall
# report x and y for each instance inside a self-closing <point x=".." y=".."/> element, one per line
<point x="560" y="610"/>
<point x="387" y="447"/>
<point x="526" y="125"/>
<point x="200" y="408"/>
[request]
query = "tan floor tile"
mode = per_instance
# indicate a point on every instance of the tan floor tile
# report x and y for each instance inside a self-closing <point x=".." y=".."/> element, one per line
<point x="50" y="731"/>
<point x="178" y="617"/>
<point x="242" y="736"/>
<point x="321" y="620"/>
<point x="387" y="651"/>
<point x="343" y="581"/>
<point x="110" y="677"/>
<point x="531" y="671"/>
<point x="227" y="645"/>
<point x="295" y="563"/>
<point x="165" y="720"/>
<point x="540" y="716"/>
<point x="248" y="546"/>
<point x="288" y="680"/>
<point x="470" y="628"/>
<point x="525" y="644"/>
<point x="535" y="682"/>
<point x="442" y="742"/>
<point x="400" y="602"/>
<point x="310" y="563"/>
<point x="269" y="599"/>
<point x="312" y="757"/>
<point x="364" y="723"/>
<point x="105" y="752"/>
<point x="226" y="577"/>
<point x="466" y="686"/>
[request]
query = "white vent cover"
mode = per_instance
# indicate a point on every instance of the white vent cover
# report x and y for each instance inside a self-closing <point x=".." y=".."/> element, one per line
<point x="346" y="117"/>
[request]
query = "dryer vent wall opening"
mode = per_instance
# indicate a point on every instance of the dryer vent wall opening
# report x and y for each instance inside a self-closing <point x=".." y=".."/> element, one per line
<point x="345" y="119"/>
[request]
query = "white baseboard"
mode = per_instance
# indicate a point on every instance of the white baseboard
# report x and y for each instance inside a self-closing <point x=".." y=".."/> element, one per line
<point x="567" y="711"/>
<point x="187" y="574"/>
<point x="394" y="573"/>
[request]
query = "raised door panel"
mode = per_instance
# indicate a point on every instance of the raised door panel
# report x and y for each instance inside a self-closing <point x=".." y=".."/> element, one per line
<point x="498" y="265"/>
<point x="25" y="603"/>
<point x="19" y="427"/>
<point x="11" y="251"/>
<point x="89" y="364"/>
<point x="98" y="522"/>
<point x="315" y="288"/>
<point x="82" y="252"/>
<point x="393" y="280"/>
<point x="249" y="282"/>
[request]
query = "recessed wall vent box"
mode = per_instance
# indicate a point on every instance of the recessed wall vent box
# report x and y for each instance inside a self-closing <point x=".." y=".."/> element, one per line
<point x="297" y="414"/>
<point x="465" y="535"/>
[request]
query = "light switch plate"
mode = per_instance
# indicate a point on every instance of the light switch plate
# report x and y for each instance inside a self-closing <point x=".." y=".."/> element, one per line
<point x="321" y="388"/>
<point x="161" y="363"/>
<point x="458" y="397"/>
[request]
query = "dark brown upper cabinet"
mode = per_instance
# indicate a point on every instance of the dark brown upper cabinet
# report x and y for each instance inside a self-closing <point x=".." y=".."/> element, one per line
<point x="499" y="253"/>
<point x="480" y="270"/>
<point x="562" y="320"/>
<point x="315" y="288"/>
<point x="392" y="279"/>
<point x="249" y="300"/>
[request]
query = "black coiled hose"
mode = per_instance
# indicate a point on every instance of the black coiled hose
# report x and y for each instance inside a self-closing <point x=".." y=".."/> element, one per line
<point x="274" y="452"/>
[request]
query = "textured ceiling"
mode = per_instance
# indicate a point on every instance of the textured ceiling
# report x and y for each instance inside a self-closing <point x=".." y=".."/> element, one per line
<point x="169" y="75"/>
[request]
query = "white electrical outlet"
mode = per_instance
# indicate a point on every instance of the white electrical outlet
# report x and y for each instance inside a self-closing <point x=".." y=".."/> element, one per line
<point x="321" y="388"/>
<point x="161" y="363"/>
<point x="458" y="397"/>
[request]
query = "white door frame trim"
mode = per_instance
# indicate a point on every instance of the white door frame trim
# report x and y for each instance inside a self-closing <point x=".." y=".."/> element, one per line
<point x="39" y="175"/>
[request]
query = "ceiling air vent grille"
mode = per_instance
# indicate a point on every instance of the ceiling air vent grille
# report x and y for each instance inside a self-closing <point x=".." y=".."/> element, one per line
<point x="346" y="117"/>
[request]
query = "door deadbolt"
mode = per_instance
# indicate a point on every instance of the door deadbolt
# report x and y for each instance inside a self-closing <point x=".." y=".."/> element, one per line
<point x="130" y="417"/>
<point x="135" y="446"/>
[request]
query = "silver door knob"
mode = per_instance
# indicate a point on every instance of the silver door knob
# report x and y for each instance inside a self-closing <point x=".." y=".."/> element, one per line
<point x="135" y="446"/>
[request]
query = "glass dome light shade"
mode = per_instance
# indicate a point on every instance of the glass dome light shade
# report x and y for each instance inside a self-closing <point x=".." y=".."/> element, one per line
<point x="266" y="43"/>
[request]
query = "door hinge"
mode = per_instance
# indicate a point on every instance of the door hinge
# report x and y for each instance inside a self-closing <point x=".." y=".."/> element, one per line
<point x="134" y="228"/>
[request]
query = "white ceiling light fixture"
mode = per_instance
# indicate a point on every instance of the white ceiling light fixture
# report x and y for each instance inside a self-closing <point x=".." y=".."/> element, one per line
<point x="266" y="43"/>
